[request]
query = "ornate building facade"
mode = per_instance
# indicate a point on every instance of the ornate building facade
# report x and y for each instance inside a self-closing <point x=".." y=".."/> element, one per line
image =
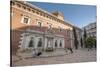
<point x="33" y="27"/>
<point x="91" y="30"/>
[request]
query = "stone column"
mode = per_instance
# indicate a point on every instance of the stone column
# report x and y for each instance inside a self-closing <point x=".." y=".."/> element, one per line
<point x="35" y="42"/>
<point x="54" y="43"/>
<point x="63" y="43"/>
<point x="58" y="43"/>
<point x="45" y="45"/>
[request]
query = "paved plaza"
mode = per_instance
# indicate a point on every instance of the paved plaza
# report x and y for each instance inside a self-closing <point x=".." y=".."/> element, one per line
<point x="80" y="55"/>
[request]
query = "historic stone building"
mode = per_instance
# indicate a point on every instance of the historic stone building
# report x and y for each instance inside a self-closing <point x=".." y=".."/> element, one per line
<point x="91" y="30"/>
<point x="32" y="27"/>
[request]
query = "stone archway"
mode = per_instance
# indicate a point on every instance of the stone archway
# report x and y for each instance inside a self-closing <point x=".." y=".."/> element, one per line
<point x="49" y="42"/>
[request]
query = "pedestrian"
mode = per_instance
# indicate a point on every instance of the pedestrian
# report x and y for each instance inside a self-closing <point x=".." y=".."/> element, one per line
<point x="89" y="47"/>
<point x="70" y="50"/>
<point x="39" y="52"/>
<point x="34" y="53"/>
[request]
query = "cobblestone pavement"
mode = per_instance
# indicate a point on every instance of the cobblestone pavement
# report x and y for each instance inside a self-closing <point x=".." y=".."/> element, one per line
<point x="81" y="55"/>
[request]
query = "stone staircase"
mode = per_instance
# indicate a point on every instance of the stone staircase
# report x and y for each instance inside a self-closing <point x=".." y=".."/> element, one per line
<point x="28" y="54"/>
<point x="57" y="52"/>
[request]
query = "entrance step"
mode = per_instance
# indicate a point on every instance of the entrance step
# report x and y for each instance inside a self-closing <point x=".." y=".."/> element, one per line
<point x="57" y="52"/>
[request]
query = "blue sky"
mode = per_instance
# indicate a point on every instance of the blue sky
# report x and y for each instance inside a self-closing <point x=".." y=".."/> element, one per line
<point x="79" y="15"/>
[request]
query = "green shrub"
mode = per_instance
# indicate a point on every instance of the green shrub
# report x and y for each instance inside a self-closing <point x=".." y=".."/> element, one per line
<point x="90" y="42"/>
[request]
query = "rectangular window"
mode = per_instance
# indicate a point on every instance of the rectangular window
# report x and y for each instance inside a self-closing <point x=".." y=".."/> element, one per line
<point x="25" y="19"/>
<point x="50" y="26"/>
<point x="40" y="24"/>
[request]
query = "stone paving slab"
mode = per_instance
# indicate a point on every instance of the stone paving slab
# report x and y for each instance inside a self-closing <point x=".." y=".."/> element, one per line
<point x="77" y="56"/>
<point x="57" y="52"/>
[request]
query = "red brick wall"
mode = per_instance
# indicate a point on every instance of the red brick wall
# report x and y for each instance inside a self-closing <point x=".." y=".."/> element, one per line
<point x="15" y="38"/>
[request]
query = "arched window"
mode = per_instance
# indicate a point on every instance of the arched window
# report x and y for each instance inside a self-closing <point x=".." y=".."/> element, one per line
<point x="40" y="42"/>
<point x="60" y="43"/>
<point x="31" y="42"/>
<point x="56" y="43"/>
